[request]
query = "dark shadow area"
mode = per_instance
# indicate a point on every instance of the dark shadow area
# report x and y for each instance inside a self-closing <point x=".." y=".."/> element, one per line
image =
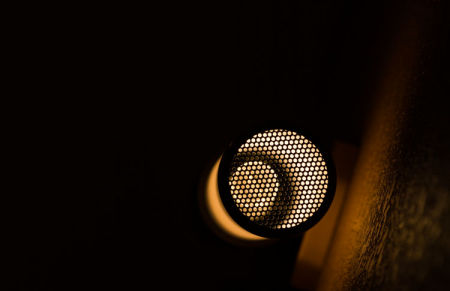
<point x="146" y="97"/>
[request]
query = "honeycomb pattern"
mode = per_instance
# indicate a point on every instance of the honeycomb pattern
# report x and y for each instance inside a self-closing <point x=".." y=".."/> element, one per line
<point x="278" y="179"/>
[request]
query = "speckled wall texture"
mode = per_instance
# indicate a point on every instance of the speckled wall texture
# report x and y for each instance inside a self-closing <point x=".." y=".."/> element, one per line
<point x="394" y="233"/>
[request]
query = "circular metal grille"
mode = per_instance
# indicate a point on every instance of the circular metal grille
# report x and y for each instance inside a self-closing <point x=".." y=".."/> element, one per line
<point x="278" y="179"/>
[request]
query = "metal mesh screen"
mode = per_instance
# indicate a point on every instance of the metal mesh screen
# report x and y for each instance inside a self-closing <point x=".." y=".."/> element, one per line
<point x="278" y="179"/>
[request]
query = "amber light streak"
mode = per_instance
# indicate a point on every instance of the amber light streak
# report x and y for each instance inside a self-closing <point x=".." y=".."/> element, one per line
<point x="357" y="247"/>
<point x="218" y="213"/>
<point x="316" y="241"/>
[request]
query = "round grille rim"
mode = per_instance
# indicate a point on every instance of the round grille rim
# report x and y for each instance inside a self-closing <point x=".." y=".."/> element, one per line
<point x="243" y="220"/>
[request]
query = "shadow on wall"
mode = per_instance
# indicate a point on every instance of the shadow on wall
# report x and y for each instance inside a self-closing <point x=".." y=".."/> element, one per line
<point x="394" y="230"/>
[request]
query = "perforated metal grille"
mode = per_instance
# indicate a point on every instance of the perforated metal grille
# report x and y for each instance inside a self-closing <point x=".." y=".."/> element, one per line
<point x="278" y="179"/>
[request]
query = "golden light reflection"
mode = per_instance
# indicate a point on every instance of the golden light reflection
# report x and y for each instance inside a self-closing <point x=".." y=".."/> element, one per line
<point x="218" y="212"/>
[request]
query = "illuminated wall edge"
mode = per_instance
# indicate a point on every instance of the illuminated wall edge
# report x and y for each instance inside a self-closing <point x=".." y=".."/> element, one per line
<point x="218" y="213"/>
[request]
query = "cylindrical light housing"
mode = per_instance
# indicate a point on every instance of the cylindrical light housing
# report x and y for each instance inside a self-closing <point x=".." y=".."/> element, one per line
<point x="276" y="182"/>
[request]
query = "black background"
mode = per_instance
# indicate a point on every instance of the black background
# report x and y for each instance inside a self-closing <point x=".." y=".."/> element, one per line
<point x="146" y="98"/>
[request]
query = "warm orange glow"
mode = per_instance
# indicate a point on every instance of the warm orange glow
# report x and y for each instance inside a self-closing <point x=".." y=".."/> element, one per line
<point x="317" y="240"/>
<point x="356" y="224"/>
<point x="218" y="212"/>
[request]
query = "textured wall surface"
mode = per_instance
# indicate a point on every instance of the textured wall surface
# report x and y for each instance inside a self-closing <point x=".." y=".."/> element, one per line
<point x="395" y="230"/>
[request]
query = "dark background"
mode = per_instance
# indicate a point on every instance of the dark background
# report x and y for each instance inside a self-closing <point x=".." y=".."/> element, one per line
<point x="148" y="97"/>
